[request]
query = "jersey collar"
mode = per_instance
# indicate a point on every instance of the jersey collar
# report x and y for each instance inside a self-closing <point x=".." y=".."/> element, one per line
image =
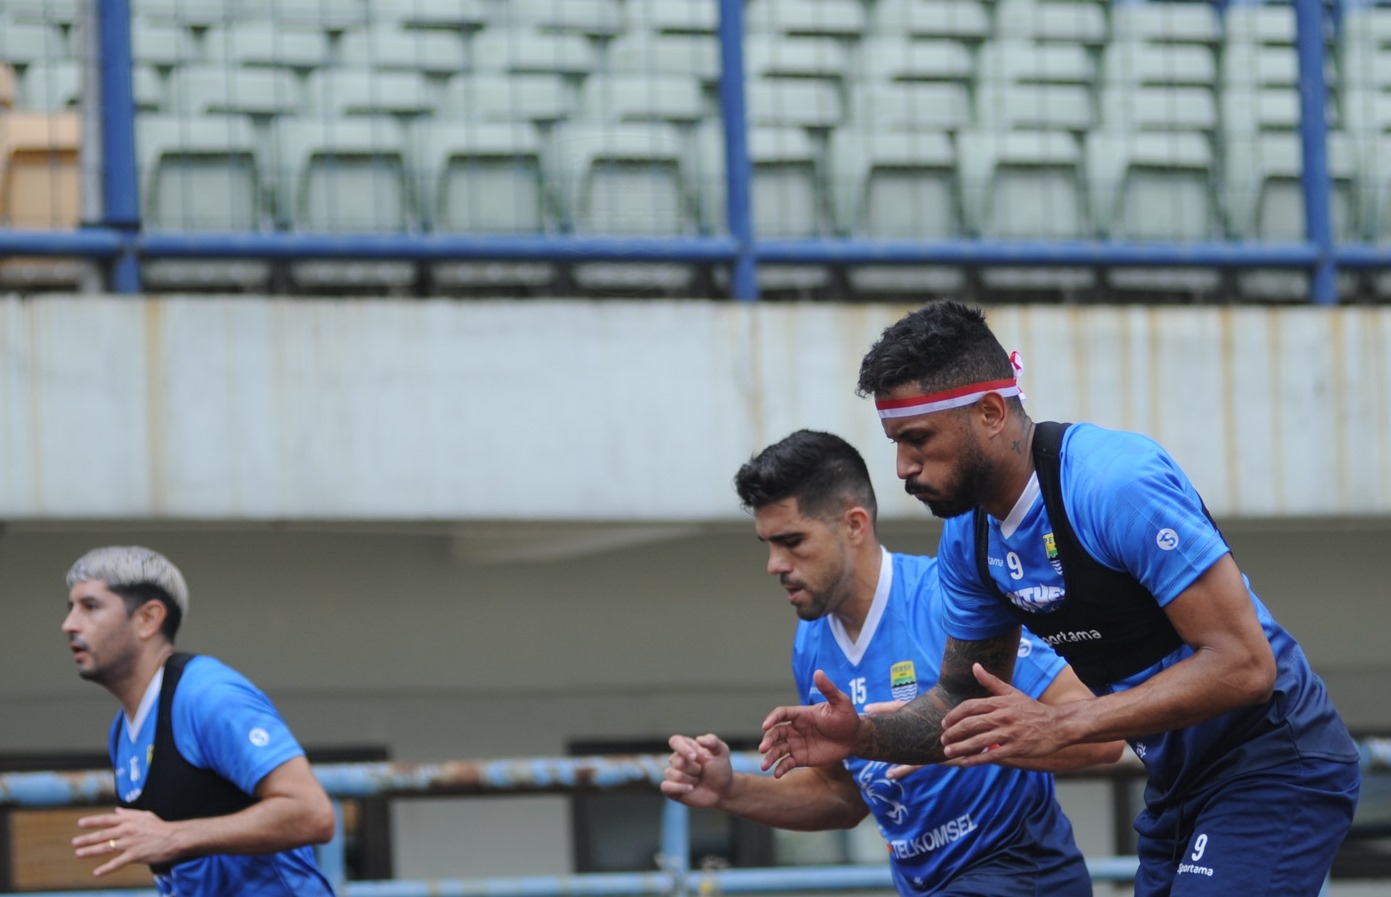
<point x="854" y="651"/>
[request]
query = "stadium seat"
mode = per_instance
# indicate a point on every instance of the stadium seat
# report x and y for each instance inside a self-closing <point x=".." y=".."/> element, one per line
<point x="769" y="55"/>
<point x="58" y="12"/>
<point x="590" y="18"/>
<point x="1135" y="64"/>
<point x="896" y="187"/>
<point x="479" y="178"/>
<point x="163" y="43"/>
<point x="40" y="190"/>
<point x="1366" y="50"/>
<point x="59" y="86"/>
<point x="673" y="16"/>
<point x="194" y="13"/>
<point x="220" y="89"/>
<point x="323" y="15"/>
<point x="490" y="96"/>
<point x="393" y="48"/>
<point x="910" y="106"/>
<point x="517" y="50"/>
<point x="1259" y="23"/>
<point x="1154" y="187"/>
<point x="267" y="43"/>
<point x="336" y="92"/>
<point x="964" y="20"/>
<point x="648" y="53"/>
<point x="627" y="180"/>
<point x="669" y="98"/>
<point x="778" y="102"/>
<point x="832" y="18"/>
<point x="1158" y="22"/>
<point x="345" y="176"/>
<point x="1159" y="109"/>
<point x="788" y="196"/>
<point x="1265" y="201"/>
<point x="457" y="15"/>
<point x="886" y="59"/>
<point x="202" y="174"/>
<point x="1008" y="62"/>
<point x="1071" y="21"/>
<point x="29" y="43"/>
<point x="1025" y="185"/>
<point x="1034" y="107"/>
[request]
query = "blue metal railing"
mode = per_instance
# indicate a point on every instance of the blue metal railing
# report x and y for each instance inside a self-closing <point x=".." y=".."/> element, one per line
<point x="118" y="238"/>
<point x="552" y="775"/>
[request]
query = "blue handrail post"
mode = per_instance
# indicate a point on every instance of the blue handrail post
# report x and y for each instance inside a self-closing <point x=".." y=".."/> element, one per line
<point x="676" y="846"/>
<point x="333" y="856"/>
<point x="120" y="190"/>
<point x="738" y="172"/>
<point x="1313" y="131"/>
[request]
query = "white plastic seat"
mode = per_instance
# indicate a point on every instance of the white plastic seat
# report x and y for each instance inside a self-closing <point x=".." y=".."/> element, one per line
<point x="769" y="55"/>
<point x="779" y="102"/>
<point x="1154" y="187"/>
<point x="1265" y="202"/>
<point x="673" y="16"/>
<point x="196" y="13"/>
<point x="1158" y="22"/>
<point x="481" y="178"/>
<point x="617" y="98"/>
<point x="834" y="18"/>
<point x="324" y="15"/>
<point x="1247" y="111"/>
<point x="345" y="176"/>
<point x="1049" y="107"/>
<point x="266" y="43"/>
<point x="392" y="48"/>
<point x="626" y="179"/>
<point x="896" y="187"/>
<point x="885" y="59"/>
<point x="652" y="54"/>
<point x="58" y="12"/>
<point x="910" y="106"/>
<point x="965" y="20"/>
<point x="490" y="96"/>
<point x="337" y="92"/>
<point x="1027" y="186"/>
<point x="26" y="43"/>
<point x="220" y="89"/>
<point x="1259" y="24"/>
<point x="1074" y="22"/>
<point x="1158" y="65"/>
<point x="162" y="43"/>
<point x="201" y="174"/>
<point x="59" y="86"/>
<point x="1171" y="109"/>
<point x="593" y="18"/>
<point x="1008" y="62"/>
<point x="457" y="15"/>
<point x="517" y="50"/>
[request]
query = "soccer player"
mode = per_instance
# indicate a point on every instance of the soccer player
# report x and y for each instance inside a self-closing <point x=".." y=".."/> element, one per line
<point x="215" y="794"/>
<point x="1097" y="542"/>
<point x="872" y="620"/>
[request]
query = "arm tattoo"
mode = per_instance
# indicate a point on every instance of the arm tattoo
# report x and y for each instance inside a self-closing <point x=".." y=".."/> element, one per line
<point x="914" y="733"/>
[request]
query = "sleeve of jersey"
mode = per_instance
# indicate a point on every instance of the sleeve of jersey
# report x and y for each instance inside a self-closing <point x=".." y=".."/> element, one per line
<point x="969" y="611"/>
<point x="1135" y="510"/>
<point x="1038" y="665"/>
<point x="224" y="723"/>
<point x="802" y="666"/>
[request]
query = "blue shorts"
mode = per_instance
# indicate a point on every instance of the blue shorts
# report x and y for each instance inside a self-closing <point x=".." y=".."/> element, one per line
<point x="1272" y="833"/>
<point x="1042" y="861"/>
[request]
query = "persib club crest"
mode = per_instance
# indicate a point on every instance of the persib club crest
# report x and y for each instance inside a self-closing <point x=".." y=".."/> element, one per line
<point x="1052" y="548"/>
<point x="903" y="680"/>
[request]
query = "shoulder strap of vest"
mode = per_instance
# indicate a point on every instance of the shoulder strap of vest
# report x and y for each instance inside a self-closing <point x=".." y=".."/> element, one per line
<point x="1048" y="465"/>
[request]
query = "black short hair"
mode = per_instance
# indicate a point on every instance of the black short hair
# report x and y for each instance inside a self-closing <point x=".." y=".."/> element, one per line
<point x="137" y="595"/>
<point x="940" y="346"/>
<point x="822" y="471"/>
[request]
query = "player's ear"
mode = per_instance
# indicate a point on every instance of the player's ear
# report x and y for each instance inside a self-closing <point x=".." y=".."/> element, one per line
<point x="149" y="618"/>
<point x="992" y="412"/>
<point x="858" y="524"/>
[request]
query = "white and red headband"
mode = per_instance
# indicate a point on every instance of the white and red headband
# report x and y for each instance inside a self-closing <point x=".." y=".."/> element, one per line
<point x="959" y="397"/>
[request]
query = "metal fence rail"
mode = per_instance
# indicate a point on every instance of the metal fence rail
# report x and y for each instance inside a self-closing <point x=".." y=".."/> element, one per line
<point x="553" y="775"/>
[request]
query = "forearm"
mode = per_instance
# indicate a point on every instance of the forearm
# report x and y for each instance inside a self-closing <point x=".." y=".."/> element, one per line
<point x="911" y="735"/>
<point x="1077" y="756"/>
<point x="270" y="825"/>
<point x="802" y="800"/>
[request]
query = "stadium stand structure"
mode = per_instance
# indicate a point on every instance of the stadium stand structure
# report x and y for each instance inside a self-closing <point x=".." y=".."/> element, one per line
<point x="895" y="120"/>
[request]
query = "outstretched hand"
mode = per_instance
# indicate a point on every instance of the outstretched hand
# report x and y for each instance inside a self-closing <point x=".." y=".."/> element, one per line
<point x="810" y="735"/>
<point x="1007" y="724"/>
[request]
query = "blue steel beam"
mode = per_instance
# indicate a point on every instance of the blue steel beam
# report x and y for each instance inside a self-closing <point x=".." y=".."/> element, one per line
<point x="1313" y="133"/>
<point x="1038" y="252"/>
<point x="97" y="242"/>
<point x="434" y="247"/>
<point x="738" y="170"/>
<point x="120" y="181"/>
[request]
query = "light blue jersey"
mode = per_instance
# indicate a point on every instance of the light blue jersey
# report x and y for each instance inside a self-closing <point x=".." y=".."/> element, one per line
<point x="939" y="821"/>
<point x="1135" y="511"/>
<point x="225" y="724"/>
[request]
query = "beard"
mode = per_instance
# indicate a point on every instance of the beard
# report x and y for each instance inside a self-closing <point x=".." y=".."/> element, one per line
<point x="964" y="493"/>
